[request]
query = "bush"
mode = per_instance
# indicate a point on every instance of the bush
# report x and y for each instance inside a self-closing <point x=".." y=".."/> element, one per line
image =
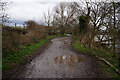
<point x="15" y="38"/>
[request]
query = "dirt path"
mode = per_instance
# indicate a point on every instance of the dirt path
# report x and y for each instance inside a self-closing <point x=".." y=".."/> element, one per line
<point x="59" y="61"/>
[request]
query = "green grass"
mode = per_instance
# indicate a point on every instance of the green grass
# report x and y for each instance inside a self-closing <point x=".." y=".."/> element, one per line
<point x="19" y="55"/>
<point x="108" y="55"/>
<point x="81" y="47"/>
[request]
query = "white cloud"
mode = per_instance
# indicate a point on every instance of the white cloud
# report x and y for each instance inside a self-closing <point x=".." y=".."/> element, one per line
<point x="21" y="10"/>
<point x="43" y="0"/>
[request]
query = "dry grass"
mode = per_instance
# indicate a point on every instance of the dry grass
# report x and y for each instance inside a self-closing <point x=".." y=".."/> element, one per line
<point x="14" y="38"/>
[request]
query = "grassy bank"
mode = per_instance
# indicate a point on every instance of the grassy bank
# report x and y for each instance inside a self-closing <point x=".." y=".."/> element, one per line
<point x="105" y="54"/>
<point x="18" y="56"/>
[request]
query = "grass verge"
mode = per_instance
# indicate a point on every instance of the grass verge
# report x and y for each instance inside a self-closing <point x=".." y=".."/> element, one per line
<point x="18" y="56"/>
<point x="107" y="55"/>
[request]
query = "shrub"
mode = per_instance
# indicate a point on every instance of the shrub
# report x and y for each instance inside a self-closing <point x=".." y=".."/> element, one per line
<point x="14" y="38"/>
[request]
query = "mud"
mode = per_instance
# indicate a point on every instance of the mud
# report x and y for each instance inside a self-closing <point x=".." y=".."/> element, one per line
<point x="59" y="61"/>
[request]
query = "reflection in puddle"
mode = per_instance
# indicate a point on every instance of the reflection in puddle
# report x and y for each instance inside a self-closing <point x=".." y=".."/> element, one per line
<point x="70" y="60"/>
<point x="65" y="42"/>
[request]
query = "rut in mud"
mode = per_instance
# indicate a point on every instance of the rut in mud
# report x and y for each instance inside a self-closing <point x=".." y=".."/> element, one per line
<point x="59" y="61"/>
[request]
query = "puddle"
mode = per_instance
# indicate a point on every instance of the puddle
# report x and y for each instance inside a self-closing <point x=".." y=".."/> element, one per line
<point x="65" y="42"/>
<point x="70" y="60"/>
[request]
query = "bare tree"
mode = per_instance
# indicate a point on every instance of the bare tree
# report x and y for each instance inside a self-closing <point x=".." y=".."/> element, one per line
<point x="31" y="24"/>
<point x="48" y="21"/>
<point x="3" y="15"/>
<point x="48" y="17"/>
<point x="65" y="15"/>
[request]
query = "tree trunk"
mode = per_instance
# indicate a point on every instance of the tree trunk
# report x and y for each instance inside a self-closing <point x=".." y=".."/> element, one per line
<point x="119" y="59"/>
<point x="114" y="31"/>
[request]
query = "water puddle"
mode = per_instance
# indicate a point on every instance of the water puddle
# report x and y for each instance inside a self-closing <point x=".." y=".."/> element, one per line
<point x="70" y="60"/>
<point x="65" y="42"/>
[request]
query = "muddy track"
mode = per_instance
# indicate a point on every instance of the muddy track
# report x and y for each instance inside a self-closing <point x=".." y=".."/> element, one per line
<point x="59" y="61"/>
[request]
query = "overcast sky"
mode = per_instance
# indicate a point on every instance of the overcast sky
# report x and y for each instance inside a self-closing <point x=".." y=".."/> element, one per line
<point x="22" y="10"/>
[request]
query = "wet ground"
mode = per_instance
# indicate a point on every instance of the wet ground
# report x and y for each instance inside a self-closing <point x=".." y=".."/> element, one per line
<point x="59" y="61"/>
